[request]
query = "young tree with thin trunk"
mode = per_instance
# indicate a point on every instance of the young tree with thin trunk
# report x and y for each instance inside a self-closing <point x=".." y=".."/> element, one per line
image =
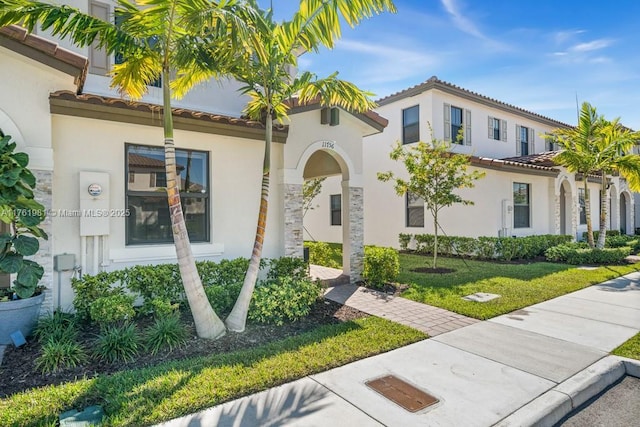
<point x="434" y="175"/>
<point x="156" y="39"/>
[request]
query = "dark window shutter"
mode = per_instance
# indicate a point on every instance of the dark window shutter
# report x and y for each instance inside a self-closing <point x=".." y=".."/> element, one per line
<point x="447" y="122"/>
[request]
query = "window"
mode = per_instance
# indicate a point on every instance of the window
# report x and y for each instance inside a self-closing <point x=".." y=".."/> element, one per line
<point x="336" y="209"/>
<point x="582" y="206"/>
<point x="98" y="58"/>
<point x="119" y="57"/>
<point x="457" y="125"/>
<point x="524" y="141"/>
<point x="551" y="143"/>
<point x="521" y="205"/>
<point x="497" y="129"/>
<point x="411" y="125"/>
<point x="414" y="211"/>
<point x="149" y="220"/>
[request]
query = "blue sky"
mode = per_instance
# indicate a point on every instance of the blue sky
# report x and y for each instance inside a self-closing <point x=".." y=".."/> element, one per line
<point x="536" y="54"/>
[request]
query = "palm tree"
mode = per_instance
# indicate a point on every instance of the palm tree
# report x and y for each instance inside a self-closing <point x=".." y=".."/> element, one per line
<point x="155" y="37"/>
<point x="578" y="155"/>
<point x="602" y="147"/>
<point x="267" y="81"/>
<point x="614" y="144"/>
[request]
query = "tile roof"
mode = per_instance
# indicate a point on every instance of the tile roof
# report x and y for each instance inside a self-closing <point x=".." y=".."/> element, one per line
<point x="435" y="83"/>
<point x="541" y="159"/>
<point x="280" y="131"/>
<point x="510" y="163"/>
<point x="39" y="49"/>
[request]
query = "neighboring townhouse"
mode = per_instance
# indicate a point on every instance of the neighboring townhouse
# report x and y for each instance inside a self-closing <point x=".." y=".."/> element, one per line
<point x="99" y="159"/>
<point x="522" y="193"/>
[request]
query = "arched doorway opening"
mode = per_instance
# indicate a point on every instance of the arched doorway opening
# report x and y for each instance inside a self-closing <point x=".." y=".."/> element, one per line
<point x="625" y="213"/>
<point x="338" y="213"/>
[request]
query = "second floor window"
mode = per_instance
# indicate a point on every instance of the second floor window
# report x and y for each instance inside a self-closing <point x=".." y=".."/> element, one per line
<point x="411" y="125"/>
<point x="524" y="141"/>
<point x="497" y="129"/>
<point x="457" y="125"/>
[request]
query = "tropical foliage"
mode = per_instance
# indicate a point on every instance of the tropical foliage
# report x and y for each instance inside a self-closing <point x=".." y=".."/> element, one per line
<point x="597" y="146"/>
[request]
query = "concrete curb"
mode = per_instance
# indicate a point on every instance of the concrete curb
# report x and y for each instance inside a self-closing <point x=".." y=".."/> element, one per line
<point x="552" y="406"/>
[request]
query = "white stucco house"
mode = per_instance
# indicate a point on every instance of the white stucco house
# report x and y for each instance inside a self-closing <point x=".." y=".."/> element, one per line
<point x="522" y="193"/>
<point x="81" y="136"/>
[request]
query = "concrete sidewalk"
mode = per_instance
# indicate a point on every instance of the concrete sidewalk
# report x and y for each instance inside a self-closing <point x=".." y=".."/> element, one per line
<point x="524" y="362"/>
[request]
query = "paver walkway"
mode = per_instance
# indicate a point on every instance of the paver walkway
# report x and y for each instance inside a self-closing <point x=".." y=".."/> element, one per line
<point x="431" y="320"/>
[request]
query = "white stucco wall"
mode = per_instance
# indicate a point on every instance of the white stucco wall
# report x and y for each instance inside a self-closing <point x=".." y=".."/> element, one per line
<point x="235" y="173"/>
<point x="24" y="104"/>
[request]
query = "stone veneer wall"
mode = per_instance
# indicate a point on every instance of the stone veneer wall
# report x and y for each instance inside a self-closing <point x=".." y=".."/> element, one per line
<point x="44" y="256"/>
<point x="356" y="233"/>
<point x="293" y="225"/>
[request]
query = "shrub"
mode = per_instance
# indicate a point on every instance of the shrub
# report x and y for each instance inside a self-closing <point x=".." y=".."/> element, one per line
<point x="320" y="253"/>
<point x="487" y="247"/>
<point x="283" y="300"/>
<point x="381" y="265"/>
<point x="226" y="272"/>
<point x="578" y="254"/>
<point x="59" y="354"/>
<point x="222" y="297"/>
<point x="112" y="308"/>
<point x="596" y="233"/>
<point x="404" y="240"/>
<point x="58" y="327"/>
<point x="155" y="282"/>
<point x="89" y="288"/>
<point x="619" y="241"/>
<point x="166" y="332"/>
<point x="162" y="308"/>
<point x="465" y="246"/>
<point x="424" y="243"/>
<point x="117" y="343"/>
<point x="292" y="267"/>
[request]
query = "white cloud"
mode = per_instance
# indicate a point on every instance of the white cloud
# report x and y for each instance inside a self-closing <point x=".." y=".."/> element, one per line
<point x="592" y="45"/>
<point x="463" y="23"/>
<point x="561" y="37"/>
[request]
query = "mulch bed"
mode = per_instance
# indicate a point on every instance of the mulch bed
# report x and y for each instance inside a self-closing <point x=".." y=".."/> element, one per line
<point x="18" y="371"/>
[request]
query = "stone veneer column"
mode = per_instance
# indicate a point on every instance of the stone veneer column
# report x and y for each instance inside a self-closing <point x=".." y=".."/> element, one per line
<point x="557" y="214"/>
<point x="44" y="256"/>
<point x="574" y="218"/>
<point x="293" y="226"/>
<point x="356" y="232"/>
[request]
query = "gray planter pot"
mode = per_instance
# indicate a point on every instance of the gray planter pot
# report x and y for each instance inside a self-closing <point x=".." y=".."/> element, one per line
<point x="19" y="315"/>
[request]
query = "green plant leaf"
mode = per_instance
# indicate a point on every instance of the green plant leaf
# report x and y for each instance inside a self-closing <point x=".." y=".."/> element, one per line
<point x="11" y="263"/>
<point x="10" y="177"/>
<point x="26" y="245"/>
<point x="21" y="158"/>
<point x="6" y="214"/>
<point x="4" y="239"/>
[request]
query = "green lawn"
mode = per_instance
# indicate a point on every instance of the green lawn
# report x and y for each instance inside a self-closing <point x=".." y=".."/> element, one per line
<point x="519" y="285"/>
<point x="160" y="393"/>
<point x="630" y="349"/>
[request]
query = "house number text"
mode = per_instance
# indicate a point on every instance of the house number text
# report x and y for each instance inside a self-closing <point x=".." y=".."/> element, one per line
<point x="329" y="144"/>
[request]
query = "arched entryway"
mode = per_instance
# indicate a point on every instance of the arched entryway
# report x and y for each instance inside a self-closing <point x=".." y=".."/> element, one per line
<point x="626" y="216"/>
<point x="326" y="158"/>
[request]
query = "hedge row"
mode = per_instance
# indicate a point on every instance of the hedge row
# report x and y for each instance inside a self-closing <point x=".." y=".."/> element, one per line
<point x="503" y="248"/>
<point x="577" y="254"/>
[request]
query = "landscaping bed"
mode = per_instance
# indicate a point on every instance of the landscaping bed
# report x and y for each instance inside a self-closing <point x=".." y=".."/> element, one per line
<point x="144" y="396"/>
<point x="18" y="371"/>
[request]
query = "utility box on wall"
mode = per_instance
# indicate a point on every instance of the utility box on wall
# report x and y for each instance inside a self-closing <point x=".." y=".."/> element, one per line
<point x="94" y="203"/>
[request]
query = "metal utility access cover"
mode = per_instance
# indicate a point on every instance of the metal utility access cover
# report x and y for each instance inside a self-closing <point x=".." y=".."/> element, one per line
<point x="402" y="393"/>
<point x="481" y="297"/>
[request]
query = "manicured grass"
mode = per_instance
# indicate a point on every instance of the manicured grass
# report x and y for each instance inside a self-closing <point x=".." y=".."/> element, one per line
<point x="160" y="393"/>
<point x="630" y="349"/>
<point x="519" y="285"/>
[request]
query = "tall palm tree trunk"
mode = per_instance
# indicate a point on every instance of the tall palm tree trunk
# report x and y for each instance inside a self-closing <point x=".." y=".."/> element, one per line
<point x="208" y="324"/>
<point x="237" y="319"/>
<point x="587" y="212"/>
<point x="602" y="235"/>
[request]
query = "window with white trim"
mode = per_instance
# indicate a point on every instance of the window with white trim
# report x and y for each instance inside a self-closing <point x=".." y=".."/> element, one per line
<point x="457" y="124"/>
<point x="525" y="139"/>
<point x="521" y="205"/>
<point x="414" y="208"/>
<point x="411" y="124"/>
<point x="582" y="206"/>
<point x="497" y="129"/>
